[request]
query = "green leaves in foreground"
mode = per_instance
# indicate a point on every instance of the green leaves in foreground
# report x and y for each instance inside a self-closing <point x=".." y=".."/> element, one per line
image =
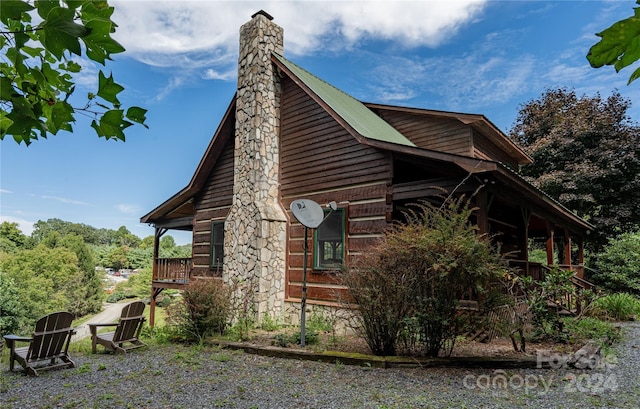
<point x="37" y="80"/>
<point x="620" y="45"/>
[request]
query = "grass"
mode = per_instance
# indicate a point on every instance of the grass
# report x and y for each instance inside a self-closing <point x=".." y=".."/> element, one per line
<point x="617" y="307"/>
<point x="589" y="328"/>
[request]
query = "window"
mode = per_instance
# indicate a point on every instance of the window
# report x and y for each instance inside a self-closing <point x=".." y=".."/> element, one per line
<point x="329" y="241"/>
<point x="217" y="244"/>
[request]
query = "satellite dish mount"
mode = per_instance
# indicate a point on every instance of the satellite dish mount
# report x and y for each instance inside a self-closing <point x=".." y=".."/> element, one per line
<point x="311" y="216"/>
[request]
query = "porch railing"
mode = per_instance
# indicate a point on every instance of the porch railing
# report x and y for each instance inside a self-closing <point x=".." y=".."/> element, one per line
<point x="176" y="270"/>
<point x="570" y="302"/>
<point x="538" y="271"/>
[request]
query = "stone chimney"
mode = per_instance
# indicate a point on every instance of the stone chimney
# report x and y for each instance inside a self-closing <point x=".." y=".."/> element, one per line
<point x="255" y="229"/>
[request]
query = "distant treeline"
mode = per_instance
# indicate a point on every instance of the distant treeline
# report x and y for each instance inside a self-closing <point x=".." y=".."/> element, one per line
<point x="55" y="268"/>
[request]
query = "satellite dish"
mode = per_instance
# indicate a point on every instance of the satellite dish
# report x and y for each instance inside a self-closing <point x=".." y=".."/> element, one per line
<point x="308" y="212"/>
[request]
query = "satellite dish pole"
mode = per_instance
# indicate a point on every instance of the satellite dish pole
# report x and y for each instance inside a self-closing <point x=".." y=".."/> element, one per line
<point x="311" y="216"/>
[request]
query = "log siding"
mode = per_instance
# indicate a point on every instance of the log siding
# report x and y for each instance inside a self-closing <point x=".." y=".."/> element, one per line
<point x="212" y="204"/>
<point x="321" y="161"/>
<point x="438" y="134"/>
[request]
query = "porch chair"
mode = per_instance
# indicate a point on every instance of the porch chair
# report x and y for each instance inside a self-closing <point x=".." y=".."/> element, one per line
<point x="127" y="330"/>
<point x="47" y="347"/>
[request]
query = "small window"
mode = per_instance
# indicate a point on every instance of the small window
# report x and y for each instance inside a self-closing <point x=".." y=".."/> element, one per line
<point x="217" y="244"/>
<point x="329" y="242"/>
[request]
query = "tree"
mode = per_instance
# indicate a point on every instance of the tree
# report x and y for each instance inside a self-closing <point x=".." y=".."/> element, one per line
<point x="126" y="238"/>
<point x="90" y="234"/>
<point x="12" y="232"/>
<point x="619" y="45"/>
<point x="88" y="289"/>
<point x="12" y="312"/>
<point x="37" y="69"/>
<point x="118" y="257"/>
<point x="167" y="243"/>
<point x="11" y="237"/>
<point x="586" y="155"/>
<point x="44" y="278"/>
<point x="147" y="243"/>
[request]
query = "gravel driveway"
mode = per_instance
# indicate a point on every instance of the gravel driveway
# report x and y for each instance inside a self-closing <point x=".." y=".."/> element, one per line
<point x="190" y="377"/>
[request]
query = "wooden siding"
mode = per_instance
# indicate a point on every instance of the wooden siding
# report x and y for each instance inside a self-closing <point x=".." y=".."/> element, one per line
<point x="321" y="161"/>
<point x="438" y="134"/>
<point x="485" y="149"/>
<point x="212" y="204"/>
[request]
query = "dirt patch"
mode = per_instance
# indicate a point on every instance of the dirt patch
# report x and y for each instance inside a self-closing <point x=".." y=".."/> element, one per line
<point x="498" y="348"/>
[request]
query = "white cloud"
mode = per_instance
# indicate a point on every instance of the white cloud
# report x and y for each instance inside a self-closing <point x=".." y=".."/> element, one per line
<point x="174" y="83"/>
<point x="227" y="75"/>
<point x="205" y="33"/>
<point x="450" y="81"/>
<point x="128" y="208"/>
<point x="66" y="200"/>
<point x="5" y="191"/>
<point x="26" y="226"/>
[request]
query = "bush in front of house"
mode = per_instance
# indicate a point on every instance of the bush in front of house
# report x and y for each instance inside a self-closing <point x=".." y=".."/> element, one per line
<point x="407" y="289"/>
<point x="203" y="310"/>
<point x="618" y="265"/>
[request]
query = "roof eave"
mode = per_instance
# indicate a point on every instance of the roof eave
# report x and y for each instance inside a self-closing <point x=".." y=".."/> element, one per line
<point x="199" y="177"/>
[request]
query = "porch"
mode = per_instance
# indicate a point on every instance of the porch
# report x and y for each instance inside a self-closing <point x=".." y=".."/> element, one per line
<point x="168" y="273"/>
<point x="565" y="303"/>
<point x="176" y="273"/>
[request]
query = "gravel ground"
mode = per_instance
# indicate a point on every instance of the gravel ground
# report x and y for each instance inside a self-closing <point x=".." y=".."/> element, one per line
<point x="189" y="377"/>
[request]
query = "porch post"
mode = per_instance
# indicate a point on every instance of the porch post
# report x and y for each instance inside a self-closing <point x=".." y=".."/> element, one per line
<point x="524" y="239"/>
<point x="550" y="234"/>
<point x="580" y="240"/>
<point x="482" y="215"/>
<point x="154" y="274"/>
<point x="580" y="250"/>
<point x="567" y="248"/>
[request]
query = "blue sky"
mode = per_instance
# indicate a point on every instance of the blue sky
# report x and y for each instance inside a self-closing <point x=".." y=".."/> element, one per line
<point x="482" y="57"/>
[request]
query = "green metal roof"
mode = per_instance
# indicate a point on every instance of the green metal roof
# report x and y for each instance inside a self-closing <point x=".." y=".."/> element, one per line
<point x="354" y="112"/>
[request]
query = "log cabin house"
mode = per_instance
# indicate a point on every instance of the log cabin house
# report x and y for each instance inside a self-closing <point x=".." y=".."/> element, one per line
<point x="287" y="134"/>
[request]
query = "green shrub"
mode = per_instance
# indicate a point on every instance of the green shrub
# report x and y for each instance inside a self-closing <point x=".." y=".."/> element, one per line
<point x="240" y="329"/>
<point x="320" y="322"/>
<point x="159" y="334"/>
<point x="203" y="310"/>
<point x="268" y="323"/>
<point x="617" y="307"/>
<point x="556" y="284"/>
<point x="115" y="297"/>
<point x="618" y="266"/>
<point x="164" y="302"/>
<point x="408" y="287"/>
<point x="310" y="338"/>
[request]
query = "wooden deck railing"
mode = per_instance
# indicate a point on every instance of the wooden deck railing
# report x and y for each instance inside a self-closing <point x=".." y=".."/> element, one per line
<point x="538" y="271"/>
<point x="176" y="270"/>
<point x="570" y="301"/>
<point x="529" y="269"/>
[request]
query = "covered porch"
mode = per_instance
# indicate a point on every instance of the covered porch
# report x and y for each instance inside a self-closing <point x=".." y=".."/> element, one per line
<point x="518" y="217"/>
<point x="168" y="273"/>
